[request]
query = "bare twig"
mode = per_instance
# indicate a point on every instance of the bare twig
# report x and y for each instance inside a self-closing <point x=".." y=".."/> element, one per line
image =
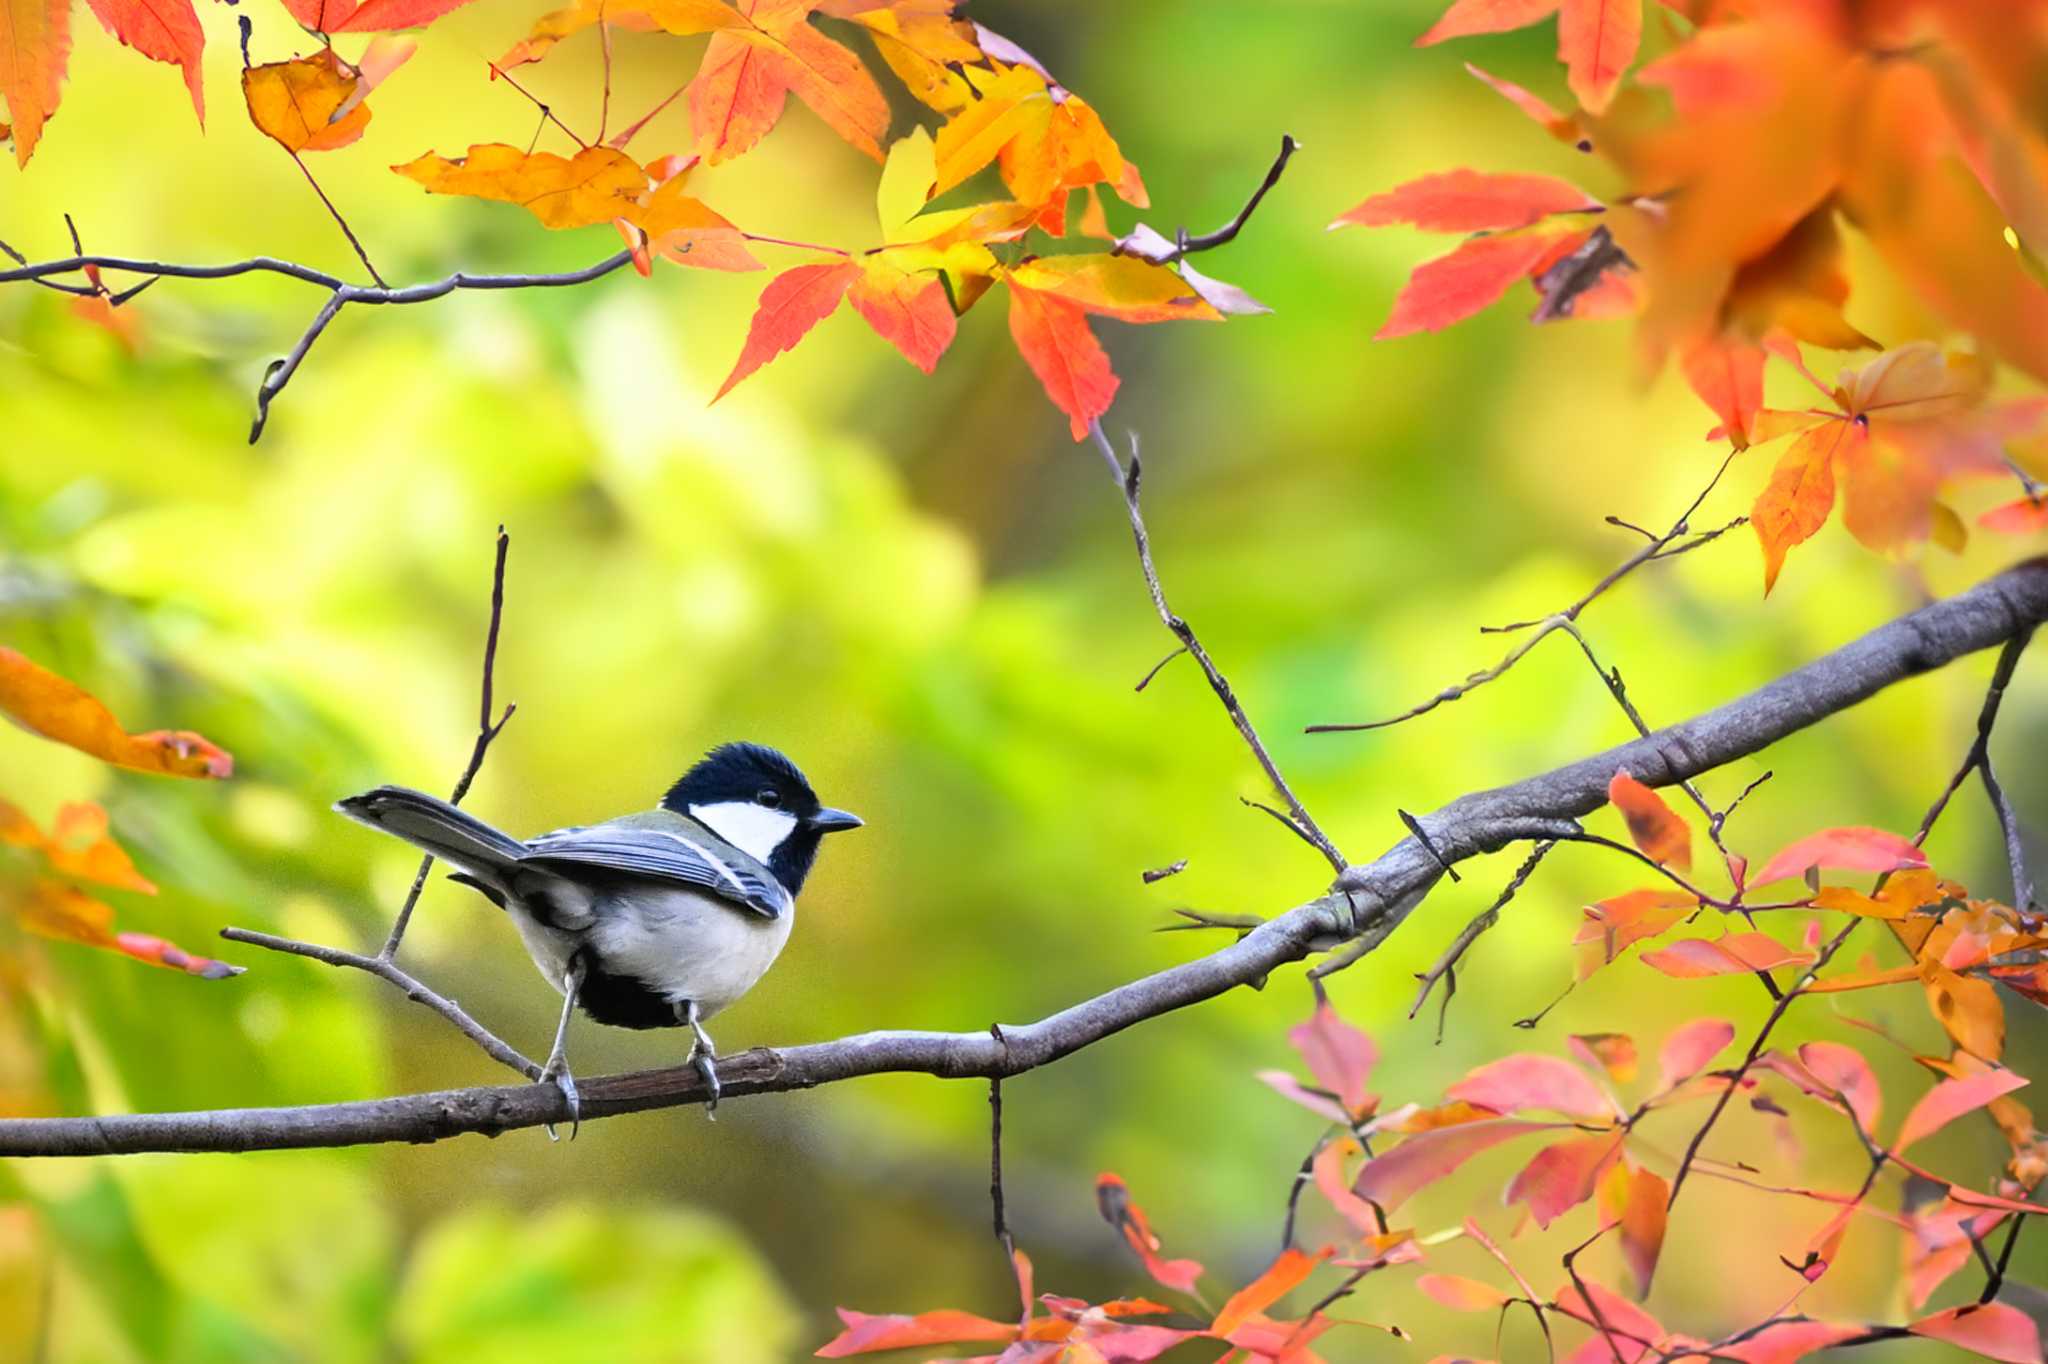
<point x="486" y="731"/>
<point x="385" y="969"/>
<point x="340" y="294"/>
<point x="1369" y="902"/>
<point x="1446" y="968"/>
<point x="332" y="212"/>
<point x="1668" y="545"/>
<point x="1207" y="241"/>
<point x="1297" y="816"/>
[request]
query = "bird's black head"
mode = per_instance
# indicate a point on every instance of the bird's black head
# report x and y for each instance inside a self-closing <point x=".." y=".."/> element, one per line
<point x="757" y="800"/>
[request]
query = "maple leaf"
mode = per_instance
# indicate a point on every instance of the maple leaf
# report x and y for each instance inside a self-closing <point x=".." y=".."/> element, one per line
<point x="921" y="41"/>
<point x="794" y="302"/>
<point x="684" y="229"/>
<point x="1053" y="337"/>
<point x="1471" y="278"/>
<point x="1470" y="201"/>
<point x="681" y="17"/>
<point x="1596" y="39"/>
<point x="749" y="69"/>
<point x="35" y="43"/>
<point x="1900" y="427"/>
<point x="1047" y="140"/>
<point x="44" y="703"/>
<point x="299" y="103"/>
<point x="597" y="185"/>
<point x="164" y="31"/>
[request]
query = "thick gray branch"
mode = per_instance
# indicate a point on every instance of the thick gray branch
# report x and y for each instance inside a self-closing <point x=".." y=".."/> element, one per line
<point x="1370" y="899"/>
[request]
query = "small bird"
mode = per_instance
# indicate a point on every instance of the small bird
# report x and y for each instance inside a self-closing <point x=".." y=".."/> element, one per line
<point x="654" y="920"/>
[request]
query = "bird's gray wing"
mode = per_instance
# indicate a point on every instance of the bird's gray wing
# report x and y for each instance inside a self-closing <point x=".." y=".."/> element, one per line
<point x="663" y="854"/>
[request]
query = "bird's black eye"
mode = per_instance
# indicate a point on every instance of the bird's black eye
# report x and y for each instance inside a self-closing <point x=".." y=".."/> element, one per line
<point x="769" y="797"/>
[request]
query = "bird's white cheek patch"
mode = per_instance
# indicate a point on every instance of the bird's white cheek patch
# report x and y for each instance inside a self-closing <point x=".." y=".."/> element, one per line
<point x="754" y="829"/>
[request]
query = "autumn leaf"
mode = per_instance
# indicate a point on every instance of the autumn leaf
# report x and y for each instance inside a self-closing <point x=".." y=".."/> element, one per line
<point x="1339" y="1056"/>
<point x="1950" y="1099"/>
<point x="1992" y="1330"/>
<point x="2027" y="516"/>
<point x="1637" y="1199"/>
<point x="1532" y="1080"/>
<point x="1470" y="201"/>
<point x="921" y="41"/>
<point x="1728" y="375"/>
<point x="751" y="67"/>
<point x="1122" y="287"/>
<point x="1473" y="277"/>
<point x="1657" y="830"/>
<point x="163" y="31"/>
<point x="864" y="1334"/>
<point x="1053" y="337"/>
<point x="1461" y="1294"/>
<point x="1113" y="1198"/>
<point x="1538" y="110"/>
<point x="1391" y="1177"/>
<point x="298" y="103"/>
<point x="685" y="230"/>
<point x="1853" y="848"/>
<point x="794" y="302"/>
<point x="1844" y="1074"/>
<point x="377" y="16"/>
<point x="1563" y="1175"/>
<point x="1047" y="144"/>
<point x="1613" y="1052"/>
<point x="78" y="845"/>
<point x="1282" y="1277"/>
<point x="35" y="43"/>
<point x="1691" y="957"/>
<point x="908" y="311"/>
<point x="1596" y="39"/>
<point x="1612" y="926"/>
<point x="1689" y="1049"/>
<point x="1801" y="492"/>
<point x="53" y="910"/>
<point x="44" y="703"/>
<point x="681" y="17"/>
<point x="597" y="185"/>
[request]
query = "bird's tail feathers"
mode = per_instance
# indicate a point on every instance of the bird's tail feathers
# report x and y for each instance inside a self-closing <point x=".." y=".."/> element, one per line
<point x="433" y="825"/>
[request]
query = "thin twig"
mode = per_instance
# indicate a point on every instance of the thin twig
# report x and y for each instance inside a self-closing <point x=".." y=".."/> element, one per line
<point x="1302" y="1178"/>
<point x="1447" y="965"/>
<point x="486" y="731"/>
<point x="632" y="130"/>
<point x="385" y="969"/>
<point x="499" y="73"/>
<point x="339" y="221"/>
<point x="1187" y="246"/>
<point x="1658" y="547"/>
<point x="1128" y="481"/>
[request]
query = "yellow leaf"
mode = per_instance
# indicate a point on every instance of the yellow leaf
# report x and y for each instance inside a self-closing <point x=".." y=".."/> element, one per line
<point x="595" y="186"/>
<point x="306" y="104"/>
<point x="44" y="703"/>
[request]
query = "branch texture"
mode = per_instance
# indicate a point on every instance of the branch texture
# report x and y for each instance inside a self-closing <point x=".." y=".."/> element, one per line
<point x="1368" y="901"/>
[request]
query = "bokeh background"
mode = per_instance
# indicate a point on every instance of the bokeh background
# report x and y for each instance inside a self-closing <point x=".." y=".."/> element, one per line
<point x="923" y="590"/>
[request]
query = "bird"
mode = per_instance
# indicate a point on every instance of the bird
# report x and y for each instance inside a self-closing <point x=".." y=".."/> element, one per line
<point x="657" y="919"/>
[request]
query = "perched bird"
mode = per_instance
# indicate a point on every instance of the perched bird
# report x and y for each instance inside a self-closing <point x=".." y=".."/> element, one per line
<point x="654" y="920"/>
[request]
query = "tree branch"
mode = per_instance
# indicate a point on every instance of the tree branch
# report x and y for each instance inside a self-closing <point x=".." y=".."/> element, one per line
<point x="1369" y="901"/>
<point x="341" y="294"/>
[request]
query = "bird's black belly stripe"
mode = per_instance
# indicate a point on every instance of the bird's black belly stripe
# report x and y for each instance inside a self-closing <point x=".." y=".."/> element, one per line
<point x="624" y="1002"/>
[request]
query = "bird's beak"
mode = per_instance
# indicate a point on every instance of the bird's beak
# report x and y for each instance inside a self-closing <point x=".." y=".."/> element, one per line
<point x="829" y="821"/>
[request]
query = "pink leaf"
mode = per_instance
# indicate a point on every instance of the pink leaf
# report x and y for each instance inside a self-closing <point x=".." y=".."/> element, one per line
<point x="1531" y="1080"/>
<point x="1426" y="1157"/>
<point x="1461" y="1294"/>
<point x="1950" y="1099"/>
<point x="1688" y="1050"/>
<point x="1470" y="201"/>
<point x="1844" y="1070"/>
<point x="1691" y="957"/>
<point x="1848" y="849"/>
<point x="1990" y="1329"/>
<point x="1340" y="1056"/>
<point x="1562" y="1175"/>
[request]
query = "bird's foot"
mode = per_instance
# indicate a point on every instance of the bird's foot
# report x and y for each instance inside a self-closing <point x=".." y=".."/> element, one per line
<point x="704" y="1056"/>
<point x="557" y="1074"/>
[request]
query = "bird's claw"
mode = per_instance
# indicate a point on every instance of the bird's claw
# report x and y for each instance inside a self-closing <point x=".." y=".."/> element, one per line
<point x="707" y="1070"/>
<point x="559" y="1076"/>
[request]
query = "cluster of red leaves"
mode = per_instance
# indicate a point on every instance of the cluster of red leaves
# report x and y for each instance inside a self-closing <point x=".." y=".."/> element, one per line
<point x="1573" y="1107"/>
<point x="1739" y="154"/>
<point x="43" y="895"/>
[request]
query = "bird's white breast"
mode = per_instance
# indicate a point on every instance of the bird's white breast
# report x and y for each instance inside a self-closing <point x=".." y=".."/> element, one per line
<point x="681" y="943"/>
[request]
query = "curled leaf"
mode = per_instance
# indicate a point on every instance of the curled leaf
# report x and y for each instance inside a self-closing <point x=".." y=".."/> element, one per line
<point x="44" y="703"/>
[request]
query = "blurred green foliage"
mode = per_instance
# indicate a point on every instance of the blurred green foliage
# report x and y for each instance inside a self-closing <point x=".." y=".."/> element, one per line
<point x="922" y="590"/>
